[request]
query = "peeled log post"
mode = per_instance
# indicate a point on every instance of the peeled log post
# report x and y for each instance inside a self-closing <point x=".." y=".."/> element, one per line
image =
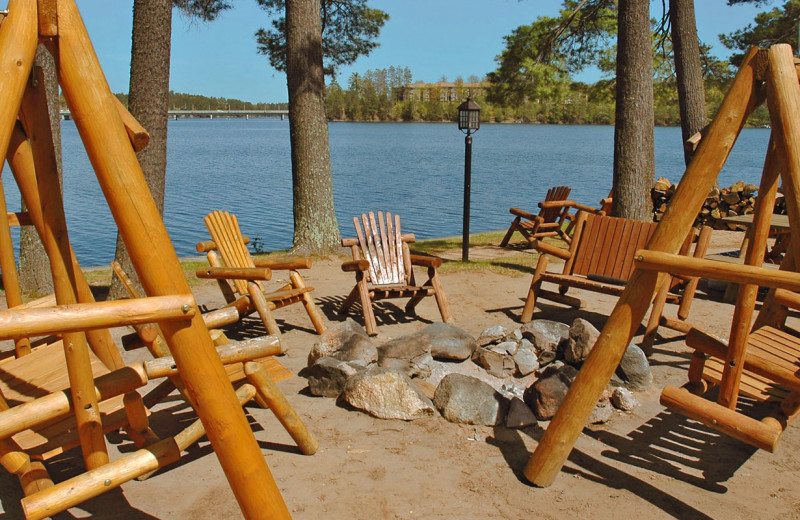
<point x="560" y="436"/>
<point x="83" y="316"/>
<point x="158" y="267"/>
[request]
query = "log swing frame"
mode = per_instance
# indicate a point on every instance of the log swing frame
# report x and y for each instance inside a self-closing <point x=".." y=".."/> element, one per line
<point x="111" y="136"/>
<point x="769" y="75"/>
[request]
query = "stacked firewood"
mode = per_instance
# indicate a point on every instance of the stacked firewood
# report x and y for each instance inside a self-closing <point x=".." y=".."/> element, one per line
<point x="738" y="199"/>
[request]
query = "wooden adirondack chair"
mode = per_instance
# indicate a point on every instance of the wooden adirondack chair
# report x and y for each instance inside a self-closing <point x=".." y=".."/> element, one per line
<point x="600" y="259"/>
<point x="548" y="223"/>
<point x="241" y="279"/>
<point x="383" y="267"/>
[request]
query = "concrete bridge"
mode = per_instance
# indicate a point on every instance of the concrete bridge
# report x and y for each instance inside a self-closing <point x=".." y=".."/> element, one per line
<point x="211" y="114"/>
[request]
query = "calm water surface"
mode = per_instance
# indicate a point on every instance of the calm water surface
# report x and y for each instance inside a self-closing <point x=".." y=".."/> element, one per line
<point x="415" y="170"/>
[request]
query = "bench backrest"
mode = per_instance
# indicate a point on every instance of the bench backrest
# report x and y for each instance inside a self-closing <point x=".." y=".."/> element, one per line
<point x="381" y="243"/>
<point x="555" y="193"/>
<point x="605" y="246"/>
<point x="224" y="230"/>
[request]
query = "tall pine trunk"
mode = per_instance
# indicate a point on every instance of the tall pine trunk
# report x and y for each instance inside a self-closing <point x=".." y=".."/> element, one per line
<point x="689" y="72"/>
<point x="634" y="154"/>
<point x="35" y="277"/>
<point x="148" y="102"/>
<point x="315" y="228"/>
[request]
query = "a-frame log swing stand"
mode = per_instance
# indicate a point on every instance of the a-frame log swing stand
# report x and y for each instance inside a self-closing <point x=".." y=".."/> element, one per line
<point x="769" y="75"/>
<point x="104" y="129"/>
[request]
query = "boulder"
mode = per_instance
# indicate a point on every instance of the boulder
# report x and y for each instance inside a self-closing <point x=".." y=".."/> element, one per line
<point x="546" y="394"/>
<point x="623" y="399"/>
<point x="345" y="341"/>
<point x="495" y="363"/>
<point x="449" y="342"/>
<point x="525" y="358"/>
<point x="545" y="334"/>
<point x="467" y="400"/>
<point x="634" y="370"/>
<point x="328" y="375"/>
<point x="386" y="394"/>
<point x="410" y="354"/>
<point x="505" y="347"/>
<point x="582" y="336"/>
<point x="520" y="415"/>
<point x="492" y="335"/>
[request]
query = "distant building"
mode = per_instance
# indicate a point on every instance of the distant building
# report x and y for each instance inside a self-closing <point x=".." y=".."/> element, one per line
<point x="443" y="91"/>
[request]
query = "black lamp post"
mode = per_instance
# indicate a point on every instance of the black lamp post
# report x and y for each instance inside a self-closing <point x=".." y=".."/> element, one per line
<point x="469" y="121"/>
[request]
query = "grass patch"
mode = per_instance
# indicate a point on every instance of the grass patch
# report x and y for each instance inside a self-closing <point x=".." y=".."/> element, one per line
<point x="437" y="246"/>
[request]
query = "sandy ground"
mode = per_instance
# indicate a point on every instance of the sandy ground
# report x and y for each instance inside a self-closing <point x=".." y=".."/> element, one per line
<point x="651" y="463"/>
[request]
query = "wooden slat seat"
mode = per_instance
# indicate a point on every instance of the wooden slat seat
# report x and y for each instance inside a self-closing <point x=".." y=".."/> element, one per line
<point x="601" y="259"/>
<point x="383" y="264"/>
<point x="44" y="372"/>
<point x="228" y="248"/>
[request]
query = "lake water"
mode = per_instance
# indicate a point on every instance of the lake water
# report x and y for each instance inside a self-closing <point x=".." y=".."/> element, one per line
<point x="413" y="169"/>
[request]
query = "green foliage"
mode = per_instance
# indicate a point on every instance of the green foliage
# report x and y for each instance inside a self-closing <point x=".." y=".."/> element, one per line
<point x="539" y="57"/>
<point x="349" y="30"/>
<point x="778" y="25"/>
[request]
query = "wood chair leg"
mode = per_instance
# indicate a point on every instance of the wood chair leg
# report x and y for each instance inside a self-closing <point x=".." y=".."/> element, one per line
<point x="441" y="298"/>
<point x="510" y="232"/>
<point x="366" y="306"/>
<point x="348" y="302"/>
<point x="276" y="401"/>
<point x="656" y="311"/>
<point x="697" y="385"/>
<point x="536" y="283"/>
<point x="262" y="307"/>
<point x="308" y="302"/>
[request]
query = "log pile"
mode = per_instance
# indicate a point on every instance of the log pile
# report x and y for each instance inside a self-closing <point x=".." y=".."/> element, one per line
<point x="738" y="199"/>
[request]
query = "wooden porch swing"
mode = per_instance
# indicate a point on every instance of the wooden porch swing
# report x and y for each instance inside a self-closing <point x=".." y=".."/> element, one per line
<point x="761" y="361"/>
<point x="82" y="387"/>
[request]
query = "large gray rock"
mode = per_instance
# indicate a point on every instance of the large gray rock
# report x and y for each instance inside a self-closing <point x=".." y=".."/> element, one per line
<point x="495" y="363"/>
<point x="386" y="394"/>
<point x="525" y="358"/>
<point x="545" y="334"/>
<point x="492" y="335"/>
<point x="634" y="370"/>
<point x="449" y="342"/>
<point x="467" y="400"/>
<point x="346" y="341"/>
<point x="328" y="375"/>
<point x="411" y="354"/>
<point x="520" y="415"/>
<point x="582" y="336"/>
<point x="546" y="394"/>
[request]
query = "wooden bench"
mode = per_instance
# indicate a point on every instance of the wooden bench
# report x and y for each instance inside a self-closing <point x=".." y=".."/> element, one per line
<point x="601" y="259"/>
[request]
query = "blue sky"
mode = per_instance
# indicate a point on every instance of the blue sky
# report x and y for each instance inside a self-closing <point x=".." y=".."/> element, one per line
<point x="434" y="38"/>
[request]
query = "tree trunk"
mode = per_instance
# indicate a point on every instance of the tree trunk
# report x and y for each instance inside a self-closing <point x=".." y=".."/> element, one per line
<point x="148" y="102"/>
<point x="315" y="228"/>
<point x="691" y="91"/>
<point x="35" y="277"/>
<point x="634" y="155"/>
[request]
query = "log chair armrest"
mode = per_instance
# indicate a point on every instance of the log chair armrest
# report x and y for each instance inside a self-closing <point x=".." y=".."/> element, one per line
<point x="409" y="238"/>
<point x="205" y="246"/>
<point x="426" y="261"/>
<point x="584" y="207"/>
<point x="234" y="273"/>
<point x="208" y="245"/>
<point x="355" y="265"/>
<point x="556" y="204"/>
<point x="349" y="242"/>
<point x="283" y="264"/>
<point x="524" y="214"/>
<point x="547" y="249"/>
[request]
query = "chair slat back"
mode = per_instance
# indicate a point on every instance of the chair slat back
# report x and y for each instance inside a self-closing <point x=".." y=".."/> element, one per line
<point x="607" y="245"/>
<point x="555" y="193"/>
<point x="225" y="232"/>
<point x="381" y="245"/>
